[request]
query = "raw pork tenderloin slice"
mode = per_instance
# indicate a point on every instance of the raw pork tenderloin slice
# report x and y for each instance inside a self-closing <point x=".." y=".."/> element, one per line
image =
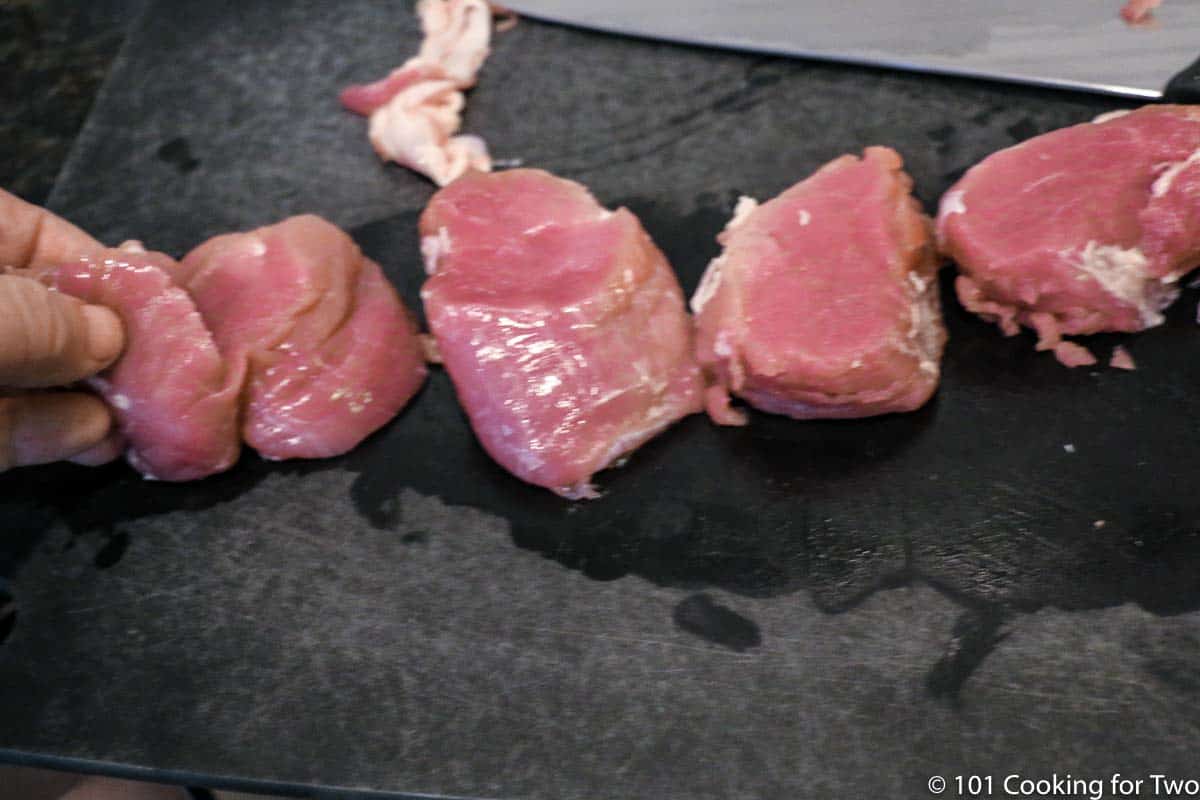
<point x="330" y="352"/>
<point x="1081" y="230"/>
<point x="824" y="302"/>
<point x="174" y="397"/>
<point x="560" y="323"/>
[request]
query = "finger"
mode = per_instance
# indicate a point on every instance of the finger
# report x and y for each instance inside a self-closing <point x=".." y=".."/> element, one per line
<point x="97" y="788"/>
<point x="110" y="448"/>
<point x="50" y="339"/>
<point x="31" y="783"/>
<point x="33" y="237"/>
<point x="45" y="427"/>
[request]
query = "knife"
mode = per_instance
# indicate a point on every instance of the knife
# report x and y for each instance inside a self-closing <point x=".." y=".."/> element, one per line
<point x="1073" y="44"/>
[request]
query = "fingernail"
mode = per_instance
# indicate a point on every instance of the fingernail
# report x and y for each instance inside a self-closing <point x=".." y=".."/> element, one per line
<point x="106" y="335"/>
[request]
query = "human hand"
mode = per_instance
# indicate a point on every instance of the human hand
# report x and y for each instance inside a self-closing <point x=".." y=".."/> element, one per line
<point x="30" y="783"/>
<point x="48" y="339"/>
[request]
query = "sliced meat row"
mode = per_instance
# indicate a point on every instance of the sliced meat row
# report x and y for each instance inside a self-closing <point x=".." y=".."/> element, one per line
<point x="564" y="330"/>
<point x="560" y="327"/>
<point x="563" y="327"/>
<point x="559" y="321"/>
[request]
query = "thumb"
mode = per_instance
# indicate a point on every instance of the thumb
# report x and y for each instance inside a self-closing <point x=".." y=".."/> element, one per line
<point x="51" y="339"/>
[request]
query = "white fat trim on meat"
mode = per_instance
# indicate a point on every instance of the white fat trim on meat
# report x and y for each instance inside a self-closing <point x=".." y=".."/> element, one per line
<point x="433" y="248"/>
<point x="457" y="36"/>
<point x="744" y="208"/>
<point x="1108" y="115"/>
<point x="710" y="282"/>
<point x="473" y="149"/>
<point x="1163" y="183"/>
<point x="414" y="129"/>
<point x="1122" y="273"/>
<point x="925" y="313"/>
<point x="416" y="126"/>
<point x="952" y="203"/>
<point x="440" y="99"/>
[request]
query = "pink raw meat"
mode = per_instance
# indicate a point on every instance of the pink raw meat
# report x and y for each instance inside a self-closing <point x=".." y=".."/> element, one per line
<point x="330" y="352"/>
<point x="1081" y="230"/>
<point x="824" y="302"/>
<point x="173" y="395"/>
<point x="1137" y="12"/>
<point x="1121" y="359"/>
<point x="366" y="98"/>
<point x="560" y="323"/>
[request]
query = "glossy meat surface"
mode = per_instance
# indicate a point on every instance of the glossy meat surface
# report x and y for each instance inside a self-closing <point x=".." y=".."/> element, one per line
<point x="329" y="351"/>
<point x="560" y="323"/>
<point x="175" y="399"/>
<point x="824" y="300"/>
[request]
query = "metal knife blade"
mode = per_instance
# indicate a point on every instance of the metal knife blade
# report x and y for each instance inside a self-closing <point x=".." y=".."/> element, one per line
<point x="1077" y="44"/>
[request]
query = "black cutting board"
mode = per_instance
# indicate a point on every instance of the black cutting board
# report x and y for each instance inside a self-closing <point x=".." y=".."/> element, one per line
<point x="1004" y="581"/>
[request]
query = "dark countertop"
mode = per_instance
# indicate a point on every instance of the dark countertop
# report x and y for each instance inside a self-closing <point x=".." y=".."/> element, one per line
<point x="781" y="611"/>
<point x="54" y="55"/>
